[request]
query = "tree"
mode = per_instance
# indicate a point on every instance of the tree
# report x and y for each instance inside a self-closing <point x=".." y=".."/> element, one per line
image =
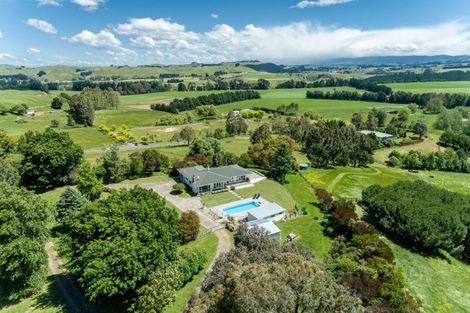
<point x="48" y="159"/>
<point x="449" y="120"/>
<point x="372" y="121"/>
<point x="70" y="200"/>
<point x="420" y="128"/>
<point x="413" y="108"/>
<point x="41" y="73"/>
<point x="117" y="242"/>
<point x="9" y="173"/>
<point x="263" y="84"/>
<point x="357" y="120"/>
<point x="189" y="226"/>
<point x="154" y="161"/>
<point x="57" y="103"/>
<point x="112" y="169"/>
<point x="435" y="105"/>
<point x="207" y="110"/>
<point x="136" y="167"/>
<point x="87" y="182"/>
<point x="82" y="110"/>
<point x="420" y="224"/>
<point x="23" y="228"/>
<point x="7" y="145"/>
<point x="259" y="275"/>
<point x="179" y="187"/>
<point x="187" y="133"/>
<point x="235" y="124"/>
<point x="261" y="134"/>
<point x="55" y="123"/>
<point x="160" y="290"/>
<point x="404" y="115"/>
<point x="282" y="162"/>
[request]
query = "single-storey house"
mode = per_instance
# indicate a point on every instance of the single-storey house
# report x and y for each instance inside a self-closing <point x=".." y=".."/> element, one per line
<point x="205" y="180"/>
<point x="273" y="231"/>
<point x="380" y="136"/>
<point x="271" y="212"/>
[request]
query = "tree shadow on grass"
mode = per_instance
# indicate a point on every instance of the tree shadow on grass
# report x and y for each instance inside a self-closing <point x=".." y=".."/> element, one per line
<point x="51" y="298"/>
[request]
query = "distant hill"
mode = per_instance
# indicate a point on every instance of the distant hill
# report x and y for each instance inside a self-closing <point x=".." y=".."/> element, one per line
<point x="396" y="60"/>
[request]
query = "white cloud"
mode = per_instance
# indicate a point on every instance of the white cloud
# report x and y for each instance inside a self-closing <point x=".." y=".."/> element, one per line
<point x="103" y="39"/>
<point x="89" y="5"/>
<point x="168" y="42"/>
<point x="143" y="42"/>
<point x="158" y="28"/>
<point x="6" y="56"/>
<point x="214" y="15"/>
<point x="48" y="2"/>
<point x="319" y="3"/>
<point x="1" y="35"/>
<point x="33" y="50"/>
<point x="41" y="25"/>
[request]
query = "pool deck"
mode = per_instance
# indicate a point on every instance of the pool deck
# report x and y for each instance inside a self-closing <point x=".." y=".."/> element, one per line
<point x="219" y="209"/>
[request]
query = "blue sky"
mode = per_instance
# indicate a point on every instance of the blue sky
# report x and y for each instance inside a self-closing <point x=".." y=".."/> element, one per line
<point x="86" y="32"/>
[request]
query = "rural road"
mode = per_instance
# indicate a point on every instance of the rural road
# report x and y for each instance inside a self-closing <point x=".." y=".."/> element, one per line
<point x="73" y="298"/>
<point x="140" y="147"/>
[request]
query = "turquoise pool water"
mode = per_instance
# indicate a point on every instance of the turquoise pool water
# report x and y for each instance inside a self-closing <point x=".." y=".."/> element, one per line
<point x="242" y="207"/>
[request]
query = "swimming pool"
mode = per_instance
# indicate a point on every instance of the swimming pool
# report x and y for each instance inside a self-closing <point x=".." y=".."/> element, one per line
<point x="242" y="207"/>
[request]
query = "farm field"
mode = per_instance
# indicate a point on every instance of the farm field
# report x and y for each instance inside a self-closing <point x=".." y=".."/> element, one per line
<point x="438" y="87"/>
<point x="333" y="109"/>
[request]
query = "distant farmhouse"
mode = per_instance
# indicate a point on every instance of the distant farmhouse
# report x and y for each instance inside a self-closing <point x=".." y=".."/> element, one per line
<point x="207" y="180"/>
<point x="380" y="136"/>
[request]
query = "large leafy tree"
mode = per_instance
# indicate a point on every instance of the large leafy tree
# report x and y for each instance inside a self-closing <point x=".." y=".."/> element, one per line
<point x="87" y="182"/>
<point x="282" y="162"/>
<point x="189" y="225"/>
<point x="23" y="233"/>
<point x="259" y="275"/>
<point x="9" y="173"/>
<point x="111" y="168"/>
<point x="7" y="144"/>
<point x="49" y="157"/>
<point x="261" y="134"/>
<point x="187" y="134"/>
<point x="235" y="124"/>
<point x="117" y="242"/>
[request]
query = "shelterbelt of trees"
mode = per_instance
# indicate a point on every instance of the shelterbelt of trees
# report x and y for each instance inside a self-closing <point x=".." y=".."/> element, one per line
<point x="23" y="82"/>
<point x="187" y="104"/>
<point x="449" y="100"/>
<point x="337" y="82"/>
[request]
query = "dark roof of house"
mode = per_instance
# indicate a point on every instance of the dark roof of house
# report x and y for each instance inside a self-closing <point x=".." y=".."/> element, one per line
<point x="204" y="176"/>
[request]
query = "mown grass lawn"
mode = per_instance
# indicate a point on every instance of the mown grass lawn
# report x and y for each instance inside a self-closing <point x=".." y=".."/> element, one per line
<point x="349" y="182"/>
<point x="310" y="231"/>
<point x="441" y="283"/>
